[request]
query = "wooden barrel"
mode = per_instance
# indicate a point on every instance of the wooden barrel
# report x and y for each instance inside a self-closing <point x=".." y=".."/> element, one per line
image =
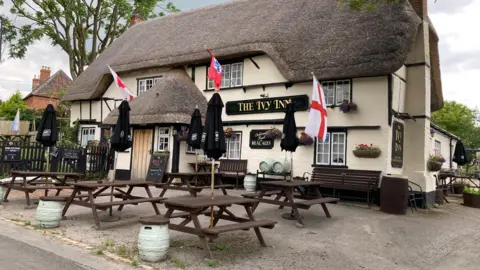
<point x="266" y="165"/>
<point x="281" y="166"/>
<point x="394" y="195"/>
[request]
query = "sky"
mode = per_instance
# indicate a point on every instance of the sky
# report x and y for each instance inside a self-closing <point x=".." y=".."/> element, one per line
<point x="456" y="22"/>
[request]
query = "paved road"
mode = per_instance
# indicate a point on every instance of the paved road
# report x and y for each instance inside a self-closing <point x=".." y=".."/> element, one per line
<point x="21" y="248"/>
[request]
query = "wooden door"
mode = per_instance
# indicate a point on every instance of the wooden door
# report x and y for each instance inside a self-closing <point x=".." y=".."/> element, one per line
<point x="142" y="146"/>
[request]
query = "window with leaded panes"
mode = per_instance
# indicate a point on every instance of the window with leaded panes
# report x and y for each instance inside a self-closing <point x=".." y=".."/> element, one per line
<point x="232" y="76"/>
<point x="163" y="139"/>
<point x="143" y="85"/>
<point x="331" y="151"/>
<point x="234" y="146"/>
<point x="336" y="91"/>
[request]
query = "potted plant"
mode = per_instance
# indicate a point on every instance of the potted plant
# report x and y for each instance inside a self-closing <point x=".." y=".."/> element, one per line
<point x="228" y="132"/>
<point x="434" y="163"/>
<point x="459" y="186"/>
<point x="305" y="139"/>
<point x="367" y="151"/>
<point x="471" y="197"/>
<point x="182" y="135"/>
<point x="273" y="134"/>
<point x="347" y="106"/>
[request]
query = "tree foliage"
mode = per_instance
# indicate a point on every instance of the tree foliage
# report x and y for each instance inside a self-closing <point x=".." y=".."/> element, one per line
<point x="458" y="119"/>
<point x="81" y="28"/>
<point x="8" y="108"/>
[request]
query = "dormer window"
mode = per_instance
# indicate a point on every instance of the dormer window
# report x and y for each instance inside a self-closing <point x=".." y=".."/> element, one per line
<point x="232" y="76"/>
<point x="144" y="84"/>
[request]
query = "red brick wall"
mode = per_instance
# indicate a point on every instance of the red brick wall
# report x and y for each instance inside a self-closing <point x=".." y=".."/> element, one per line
<point x="38" y="103"/>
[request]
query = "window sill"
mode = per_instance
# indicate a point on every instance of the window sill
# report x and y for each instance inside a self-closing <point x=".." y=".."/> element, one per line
<point x="330" y="166"/>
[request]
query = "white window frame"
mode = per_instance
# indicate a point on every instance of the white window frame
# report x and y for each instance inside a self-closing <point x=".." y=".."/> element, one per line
<point x="228" y="144"/>
<point x="337" y="91"/>
<point x="87" y="135"/>
<point x="163" y="142"/>
<point x="232" y="76"/>
<point x="330" y="145"/>
<point x="438" y="150"/>
<point x="144" y="84"/>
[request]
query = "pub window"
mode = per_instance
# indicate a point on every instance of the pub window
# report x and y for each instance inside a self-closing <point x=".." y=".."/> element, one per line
<point x="232" y="76"/>
<point x="438" y="148"/>
<point x="332" y="151"/>
<point x="234" y="144"/>
<point x="143" y="85"/>
<point x="88" y="134"/>
<point x="336" y="91"/>
<point x="163" y="139"/>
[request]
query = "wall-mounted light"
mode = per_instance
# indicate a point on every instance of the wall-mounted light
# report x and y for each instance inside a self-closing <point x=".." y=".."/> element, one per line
<point x="432" y="132"/>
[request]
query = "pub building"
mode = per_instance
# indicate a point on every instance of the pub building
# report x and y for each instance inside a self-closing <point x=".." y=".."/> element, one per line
<point x="379" y="71"/>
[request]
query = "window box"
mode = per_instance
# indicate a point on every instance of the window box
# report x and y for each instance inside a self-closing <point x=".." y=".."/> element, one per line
<point x="347" y="106"/>
<point x="374" y="153"/>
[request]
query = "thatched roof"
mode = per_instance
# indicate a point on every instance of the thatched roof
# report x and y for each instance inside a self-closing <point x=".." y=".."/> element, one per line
<point x="436" y="91"/>
<point x="170" y="101"/>
<point x="300" y="36"/>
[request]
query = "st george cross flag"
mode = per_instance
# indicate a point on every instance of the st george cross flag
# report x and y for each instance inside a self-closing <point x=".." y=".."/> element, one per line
<point x="126" y="93"/>
<point x="16" y="123"/>
<point x="215" y="72"/>
<point x="317" y="117"/>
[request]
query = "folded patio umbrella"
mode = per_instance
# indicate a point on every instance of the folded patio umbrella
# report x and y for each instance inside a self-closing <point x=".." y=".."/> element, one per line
<point x="47" y="133"/>
<point x="195" y="134"/>
<point x="460" y="155"/>
<point x="213" y="137"/>
<point x="289" y="137"/>
<point x="121" y="138"/>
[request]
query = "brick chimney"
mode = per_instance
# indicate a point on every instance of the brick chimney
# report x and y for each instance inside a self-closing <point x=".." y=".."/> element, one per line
<point x="35" y="82"/>
<point x="44" y="74"/>
<point x="420" y="7"/>
<point x="135" y="18"/>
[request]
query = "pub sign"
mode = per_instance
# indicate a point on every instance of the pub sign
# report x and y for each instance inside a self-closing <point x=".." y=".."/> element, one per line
<point x="258" y="140"/>
<point x="266" y="105"/>
<point x="398" y="133"/>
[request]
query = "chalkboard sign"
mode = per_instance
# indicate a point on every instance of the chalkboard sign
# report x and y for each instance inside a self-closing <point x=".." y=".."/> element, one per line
<point x="156" y="168"/>
<point x="72" y="153"/>
<point x="397" y="144"/>
<point x="258" y="140"/>
<point x="11" y="153"/>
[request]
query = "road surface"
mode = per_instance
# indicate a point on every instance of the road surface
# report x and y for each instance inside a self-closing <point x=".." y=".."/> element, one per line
<point x="21" y="248"/>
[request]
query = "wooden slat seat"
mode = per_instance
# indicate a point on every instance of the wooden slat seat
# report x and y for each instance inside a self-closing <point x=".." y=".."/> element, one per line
<point x="233" y="168"/>
<point x="218" y="186"/>
<point x="154" y="220"/>
<point x="54" y="198"/>
<point x="135" y="201"/>
<point x="346" y="179"/>
<point x="240" y="226"/>
<point x="256" y="194"/>
<point x="33" y="188"/>
<point x="309" y="203"/>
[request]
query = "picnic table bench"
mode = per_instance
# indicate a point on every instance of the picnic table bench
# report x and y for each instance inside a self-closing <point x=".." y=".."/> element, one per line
<point x="285" y="190"/>
<point x="192" y="207"/>
<point x="192" y="182"/>
<point x="95" y="190"/>
<point x="347" y="179"/>
<point x="29" y="186"/>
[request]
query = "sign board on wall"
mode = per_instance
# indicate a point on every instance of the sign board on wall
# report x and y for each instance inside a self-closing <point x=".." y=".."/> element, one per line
<point x="258" y="140"/>
<point x="398" y="133"/>
<point x="11" y="153"/>
<point x="266" y="105"/>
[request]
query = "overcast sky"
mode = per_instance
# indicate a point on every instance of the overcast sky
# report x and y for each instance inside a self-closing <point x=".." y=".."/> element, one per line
<point x="456" y="21"/>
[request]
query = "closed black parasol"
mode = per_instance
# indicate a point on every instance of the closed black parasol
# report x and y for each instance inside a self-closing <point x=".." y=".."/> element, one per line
<point x="213" y="137"/>
<point x="195" y="130"/>
<point x="289" y="136"/>
<point x="121" y="138"/>
<point x="460" y="155"/>
<point x="47" y="133"/>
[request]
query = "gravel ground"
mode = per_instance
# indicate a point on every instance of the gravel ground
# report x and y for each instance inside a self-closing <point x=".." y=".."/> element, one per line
<point x="355" y="238"/>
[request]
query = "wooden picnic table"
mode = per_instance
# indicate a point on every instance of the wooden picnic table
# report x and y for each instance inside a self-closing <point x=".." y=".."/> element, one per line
<point x="192" y="182"/>
<point x="95" y="189"/>
<point x="191" y="207"/>
<point x="205" y="166"/>
<point x="285" y="190"/>
<point x="36" y="183"/>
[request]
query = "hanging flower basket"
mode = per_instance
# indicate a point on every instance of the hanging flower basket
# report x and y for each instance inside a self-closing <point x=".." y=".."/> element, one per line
<point x="228" y="132"/>
<point x="347" y="106"/>
<point x="367" y="151"/>
<point x="273" y="134"/>
<point x="182" y="135"/>
<point x="434" y="166"/>
<point x="107" y="134"/>
<point x="305" y="139"/>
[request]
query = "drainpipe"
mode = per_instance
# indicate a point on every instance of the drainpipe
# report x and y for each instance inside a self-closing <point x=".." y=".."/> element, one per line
<point x="450" y="159"/>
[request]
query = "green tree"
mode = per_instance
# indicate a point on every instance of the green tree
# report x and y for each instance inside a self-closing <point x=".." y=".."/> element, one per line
<point x="8" y="108"/>
<point x="83" y="29"/>
<point x="458" y="119"/>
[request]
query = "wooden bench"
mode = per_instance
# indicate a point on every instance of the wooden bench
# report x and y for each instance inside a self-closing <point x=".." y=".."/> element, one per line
<point x="256" y="194"/>
<point x="214" y="231"/>
<point x="54" y="198"/>
<point x="307" y="204"/>
<point x="134" y="202"/>
<point x="345" y="179"/>
<point x="233" y="168"/>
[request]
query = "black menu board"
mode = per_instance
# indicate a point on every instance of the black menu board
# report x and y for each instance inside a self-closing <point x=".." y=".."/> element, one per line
<point x="156" y="168"/>
<point x="11" y="153"/>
